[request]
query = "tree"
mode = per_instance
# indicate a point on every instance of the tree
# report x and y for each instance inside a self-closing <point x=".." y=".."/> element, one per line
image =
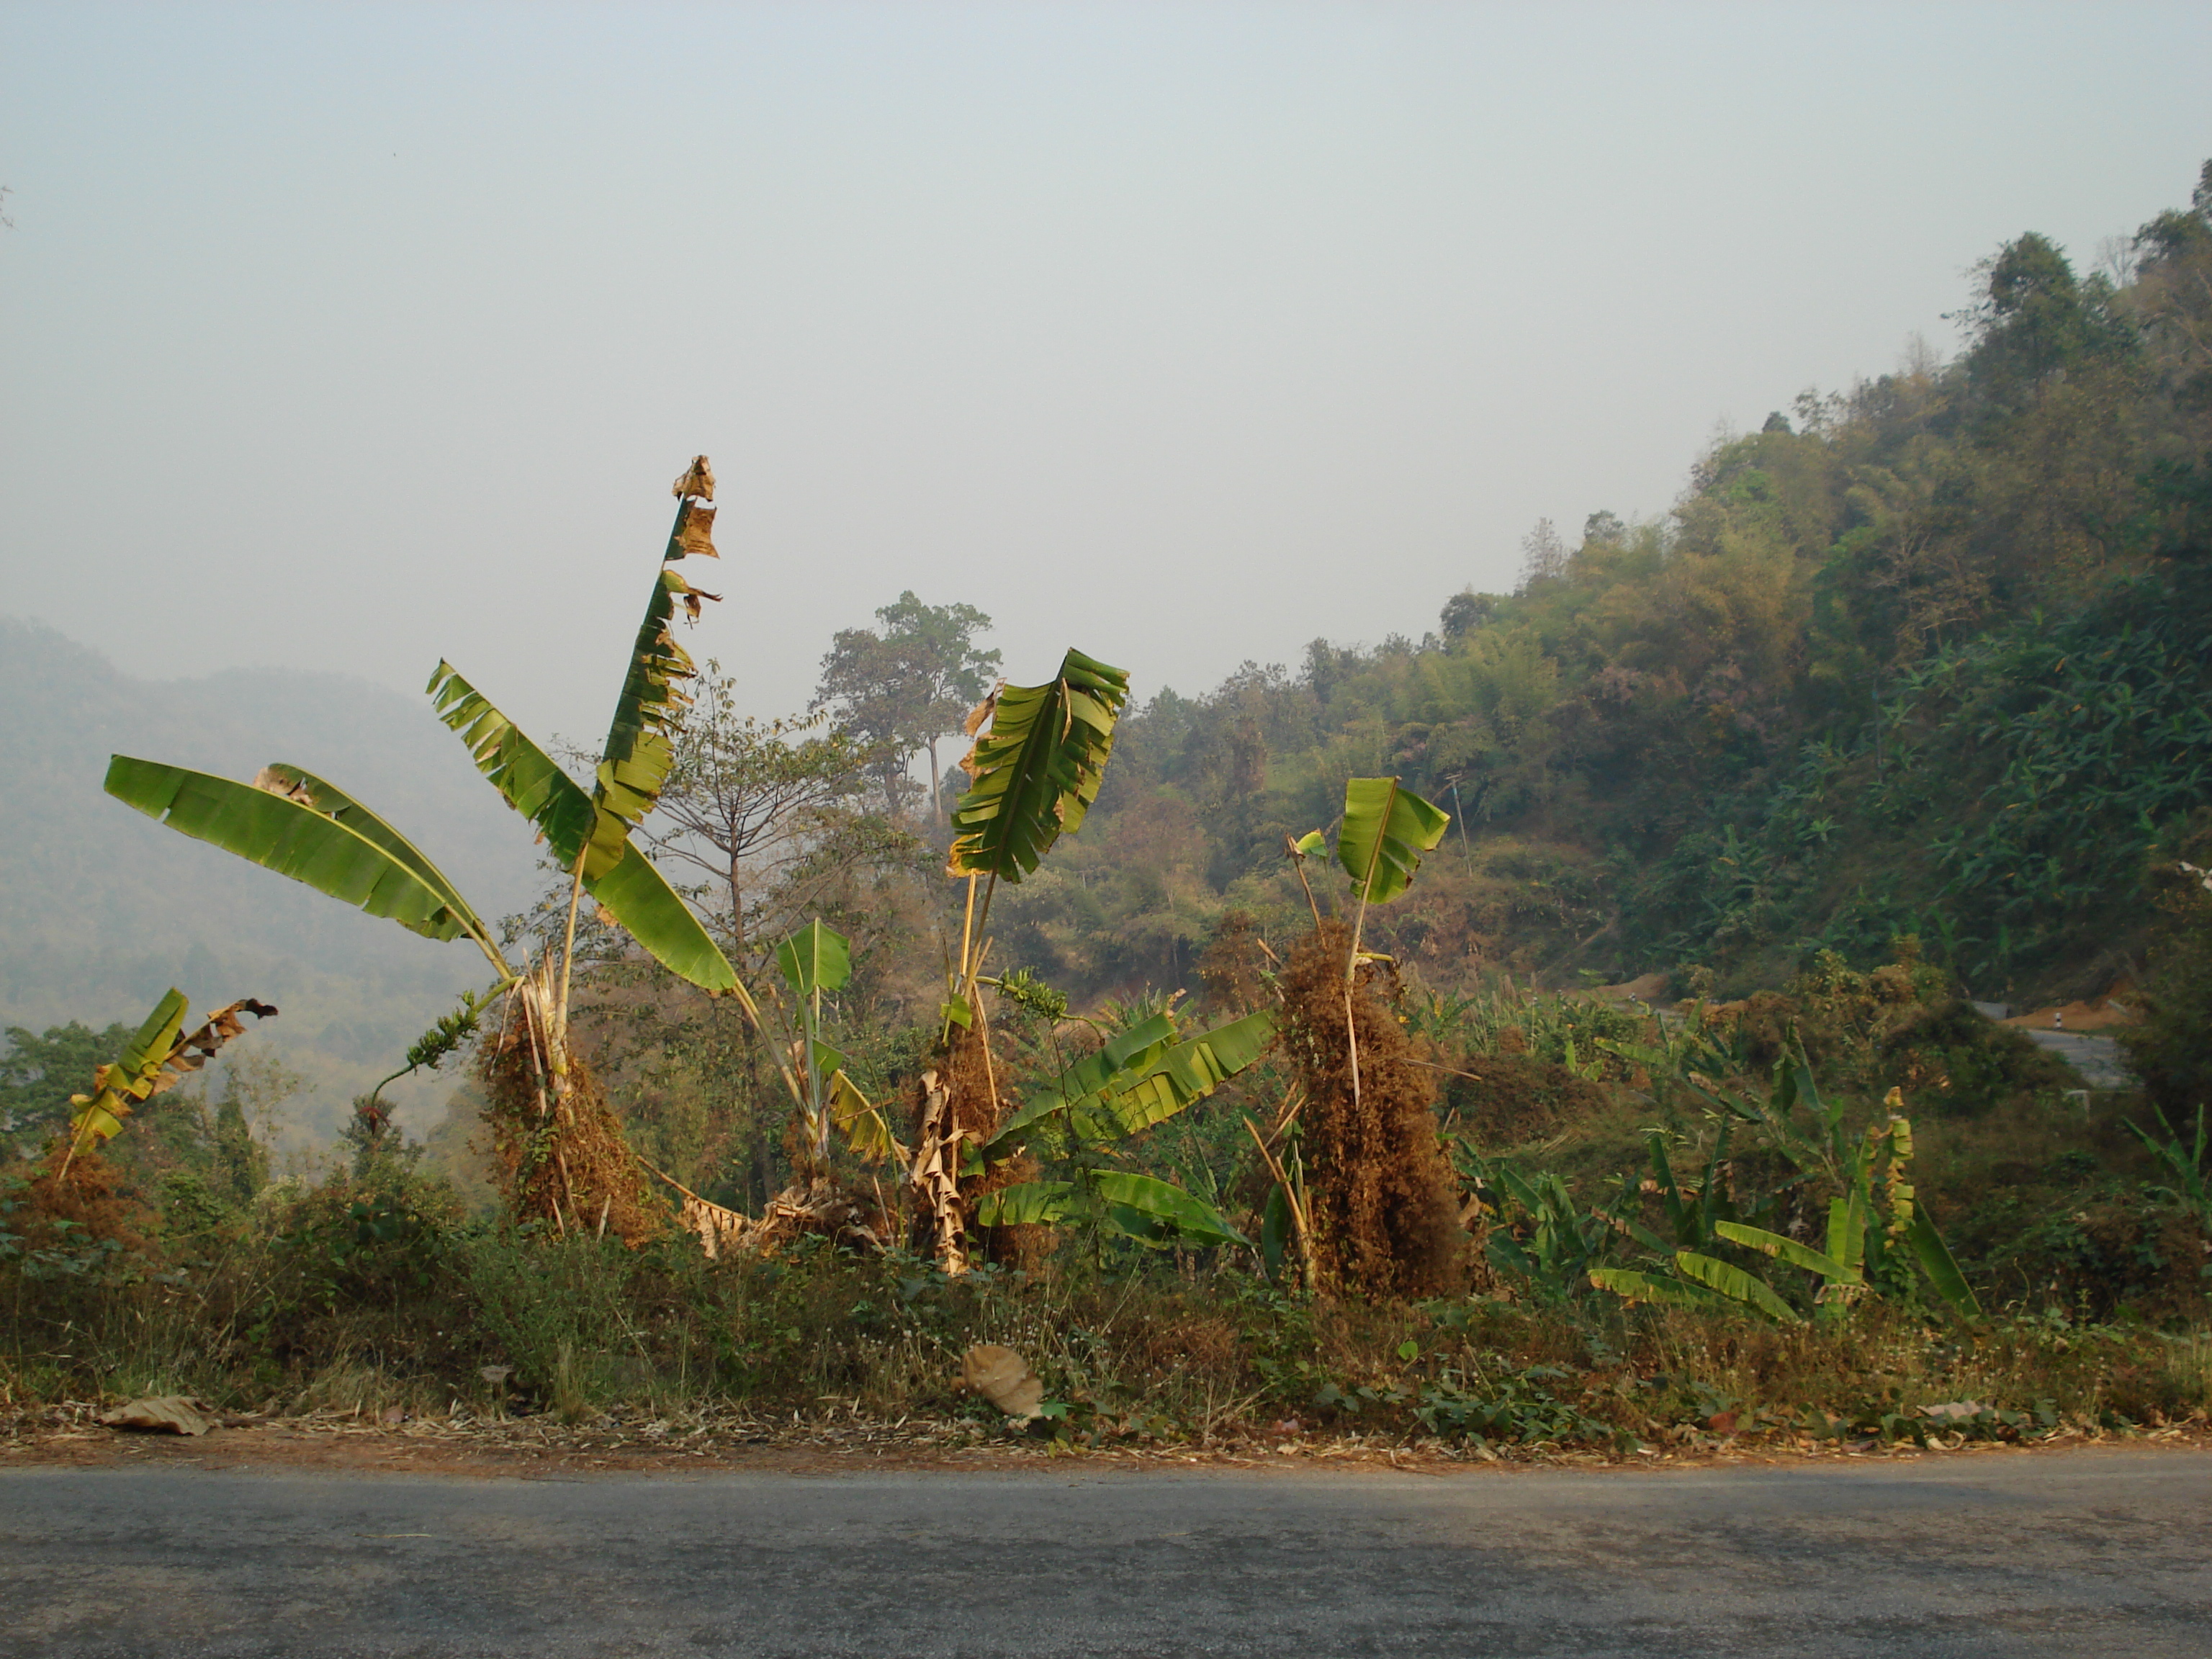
<point x="904" y="689"/>
<point x="1544" y="556"/>
<point x="39" y="1074"/>
<point x="746" y="797"/>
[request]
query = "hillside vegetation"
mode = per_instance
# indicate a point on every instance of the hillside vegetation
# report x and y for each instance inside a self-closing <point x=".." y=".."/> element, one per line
<point x="1559" y="1030"/>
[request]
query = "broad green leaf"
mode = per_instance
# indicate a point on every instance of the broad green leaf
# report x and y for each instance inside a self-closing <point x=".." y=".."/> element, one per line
<point x="1942" y="1271"/>
<point x="1090" y="1076"/>
<point x="1277" y="1229"/>
<point x="1036" y="768"/>
<point x="1025" y="1203"/>
<point x="1186" y="1214"/>
<point x="1312" y="844"/>
<point x="1736" y="1285"/>
<point x="333" y="802"/>
<point x="619" y="875"/>
<point x="1636" y="1286"/>
<point x="1787" y="1249"/>
<point x="160" y="1055"/>
<point x="815" y="958"/>
<point x="291" y="838"/>
<point x="1185" y="1073"/>
<point x="1386" y="830"/>
<point x="524" y="774"/>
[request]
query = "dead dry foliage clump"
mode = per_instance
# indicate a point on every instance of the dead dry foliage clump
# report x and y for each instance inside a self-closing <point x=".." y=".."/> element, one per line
<point x="1384" y="1215"/>
<point x="563" y="1158"/>
<point x="959" y="1104"/>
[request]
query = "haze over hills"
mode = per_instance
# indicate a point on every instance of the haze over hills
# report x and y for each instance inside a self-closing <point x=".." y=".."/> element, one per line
<point x="101" y="908"/>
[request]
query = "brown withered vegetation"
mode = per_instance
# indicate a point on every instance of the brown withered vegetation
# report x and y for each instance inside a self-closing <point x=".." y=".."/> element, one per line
<point x="563" y="1158"/>
<point x="965" y="1096"/>
<point x="1385" y="1221"/>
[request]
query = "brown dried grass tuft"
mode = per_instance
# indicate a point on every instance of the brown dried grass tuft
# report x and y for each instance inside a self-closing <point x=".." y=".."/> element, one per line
<point x="1384" y="1218"/>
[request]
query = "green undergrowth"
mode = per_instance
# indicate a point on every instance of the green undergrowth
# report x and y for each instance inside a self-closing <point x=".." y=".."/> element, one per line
<point x="348" y="1300"/>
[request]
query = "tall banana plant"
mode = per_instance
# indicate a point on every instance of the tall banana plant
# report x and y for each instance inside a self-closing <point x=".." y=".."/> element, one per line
<point x="303" y="827"/>
<point x="1380" y="839"/>
<point x="1038" y="758"/>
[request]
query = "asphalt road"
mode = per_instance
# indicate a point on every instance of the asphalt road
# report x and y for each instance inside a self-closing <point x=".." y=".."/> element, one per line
<point x="2096" y="1058"/>
<point x="2081" y="1553"/>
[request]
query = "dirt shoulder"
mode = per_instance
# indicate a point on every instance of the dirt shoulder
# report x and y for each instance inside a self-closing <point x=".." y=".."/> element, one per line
<point x="68" y="1436"/>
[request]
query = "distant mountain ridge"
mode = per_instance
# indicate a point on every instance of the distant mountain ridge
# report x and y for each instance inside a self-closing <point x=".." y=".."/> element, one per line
<point x="101" y="908"/>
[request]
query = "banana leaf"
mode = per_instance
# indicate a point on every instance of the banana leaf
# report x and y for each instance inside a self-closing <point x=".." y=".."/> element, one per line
<point x="1942" y="1271"/>
<point x="290" y="837"/>
<point x="866" y="1131"/>
<point x="1181" y="1217"/>
<point x="1027" y="1203"/>
<point x="815" y="958"/>
<point x="1736" y="1285"/>
<point x="1788" y="1250"/>
<point x="1143" y="1078"/>
<point x="158" y="1057"/>
<point x="1035" y="772"/>
<point x="333" y="802"/>
<point x="1636" y="1287"/>
<point x="616" y="873"/>
<point x="1386" y="830"/>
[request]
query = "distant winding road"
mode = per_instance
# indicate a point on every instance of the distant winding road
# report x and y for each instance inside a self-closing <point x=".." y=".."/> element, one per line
<point x="2088" y="1552"/>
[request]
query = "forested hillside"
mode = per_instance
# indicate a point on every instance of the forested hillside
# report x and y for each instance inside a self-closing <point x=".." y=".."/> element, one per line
<point x="1928" y="655"/>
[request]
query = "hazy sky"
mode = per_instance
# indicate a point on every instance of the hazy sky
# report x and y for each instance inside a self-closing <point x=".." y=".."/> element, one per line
<point x="351" y="336"/>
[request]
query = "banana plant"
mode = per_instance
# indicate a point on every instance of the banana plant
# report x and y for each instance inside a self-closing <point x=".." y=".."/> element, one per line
<point x="1039" y="755"/>
<point x="1380" y="839"/>
<point x="160" y="1055"/>
<point x="1877" y="1234"/>
<point x="1140" y="1077"/>
<point x="815" y="962"/>
<point x="301" y="826"/>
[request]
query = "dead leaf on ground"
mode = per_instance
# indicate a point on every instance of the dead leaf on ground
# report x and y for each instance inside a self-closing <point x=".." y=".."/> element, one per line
<point x="1003" y="1377"/>
<point x="168" y="1413"/>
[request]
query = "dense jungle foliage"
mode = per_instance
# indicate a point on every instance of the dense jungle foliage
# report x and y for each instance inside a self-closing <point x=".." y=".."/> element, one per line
<point x="1673" y="1109"/>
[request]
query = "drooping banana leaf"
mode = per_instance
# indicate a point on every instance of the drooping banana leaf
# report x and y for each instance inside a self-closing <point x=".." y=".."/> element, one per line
<point x="1386" y="830"/>
<point x="281" y="832"/>
<point x="1035" y="771"/>
<point x="1732" y="1282"/>
<point x="866" y="1131"/>
<point x="1943" y="1270"/>
<point x="620" y="877"/>
<point x="1143" y="1078"/>
<point x="1790" y="1250"/>
<point x="1175" y="1216"/>
<point x="1633" y="1286"/>
<point x="328" y="798"/>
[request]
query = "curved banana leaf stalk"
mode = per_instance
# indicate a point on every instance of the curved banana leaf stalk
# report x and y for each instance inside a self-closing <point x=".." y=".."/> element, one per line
<point x="1035" y="772"/>
<point x="616" y="873"/>
<point x="159" y="1056"/>
<point x="301" y="828"/>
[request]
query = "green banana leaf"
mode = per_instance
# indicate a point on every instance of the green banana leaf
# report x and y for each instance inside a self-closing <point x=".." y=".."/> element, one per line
<point x="1144" y="1078"/>
<point x="640" y="746"/>
<point x="815" y="958"/>
<point x="333" y="802"/>
<point x="130" y="1079"/>
<point x="1736" y="1285"/>
<point x="616" y="873"/>
<point x="1790" y="1250"/>
<point x="526" y="776"/>
<point x="1386" y="830"/>
<point x="1027" y="1203"/>
<point x="1942" y="1271"/>
<point x="1036" y="770"/>
<point x="292" y="839"/>
<point x="1184" y="1217"/>
<point x="1635" y="1287"/>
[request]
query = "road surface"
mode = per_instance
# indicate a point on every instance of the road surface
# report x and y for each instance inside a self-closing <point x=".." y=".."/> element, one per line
<point x="2087" y="1552"/>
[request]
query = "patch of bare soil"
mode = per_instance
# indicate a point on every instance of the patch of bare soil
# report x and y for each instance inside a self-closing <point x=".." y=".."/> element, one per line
<point x="542" y="1448"/>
